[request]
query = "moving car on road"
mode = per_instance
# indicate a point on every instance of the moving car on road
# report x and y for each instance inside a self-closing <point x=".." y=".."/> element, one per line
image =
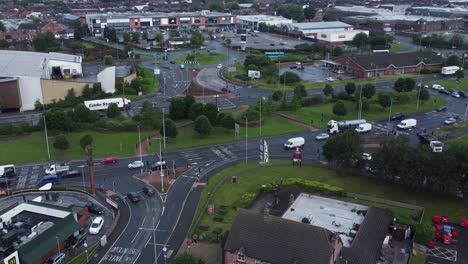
<point x="322" y="136"/>
<point x="148" y="191"/>
<point x="109" y="160"/>
<point x="441" y="109"/>
<point x="456" y="94"/>
<point x="450" y="121"/>
<point x="94" y="209"/>
<point x="134" y="197"/>
<point x="366" y="156"/>
<point x="219" y="66"/>
<point x="331" y="79"/>
<point x="397" y="116"/>
<point x="136" y="164"/>
<point x="96" y="226"/>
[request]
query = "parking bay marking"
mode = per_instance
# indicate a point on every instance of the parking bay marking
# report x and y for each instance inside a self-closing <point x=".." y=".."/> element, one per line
<point x="443" y="253"/>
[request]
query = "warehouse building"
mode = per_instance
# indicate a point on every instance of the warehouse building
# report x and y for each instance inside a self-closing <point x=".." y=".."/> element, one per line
<point x="158" y="20"/>
<point x="251" y="22"/>
<point x="29" y="76"/>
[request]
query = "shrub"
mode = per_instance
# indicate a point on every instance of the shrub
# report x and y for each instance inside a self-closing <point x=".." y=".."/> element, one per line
<point x="13" y="130"/>
<point x="309" y="185"/>
<point x="423" y="232"/>
<point x="426" y="71"/>
<point x="247" y="199"/>
<point x="61" y="142"/>
<point x="316" y="100"/>
<point x="289" y="77"/>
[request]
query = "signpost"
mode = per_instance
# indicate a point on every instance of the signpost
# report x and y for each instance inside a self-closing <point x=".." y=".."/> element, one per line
<point x="253" y="74"/>
<point x="264" y="155"/>
<point x="157" y="71"/>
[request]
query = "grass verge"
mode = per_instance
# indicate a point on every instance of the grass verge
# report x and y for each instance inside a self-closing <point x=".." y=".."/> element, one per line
<point x="203" y="58"/>
<point x="419" y="258"/>
<point x="312" y="114"/>
<point x="449" y="84"/>
<point x="461" y="140"/>
<point x="451" y="129"/>
<point x="396" y="47"/>
<point x="81" y="259"/>
<point x="250" y="181"/>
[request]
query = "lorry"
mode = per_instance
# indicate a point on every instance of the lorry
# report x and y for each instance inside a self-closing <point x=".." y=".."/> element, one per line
<point x="57" y="169"/>
<point x="103" y="104"/>
<point x="407" y="123"/>
<point x="334" y="127"/>
<point x="363" y="128"/>
<point x="434" y="144"/>
<point x="7" y="171"/>
<point x="450" y="70"/>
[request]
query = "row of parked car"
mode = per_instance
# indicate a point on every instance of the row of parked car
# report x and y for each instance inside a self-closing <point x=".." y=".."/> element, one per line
<point x="451" y="91"/>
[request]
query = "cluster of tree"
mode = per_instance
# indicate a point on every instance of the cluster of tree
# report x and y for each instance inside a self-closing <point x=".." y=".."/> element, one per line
<point x="135" y="37"/>
<point x="110" y="34"/>
<point x="373" y="41"/>
<point x="205" y="116"/>
<point x="296" y="102"/>
<point x="259" y="63"/>
<point x="453" y="60"/>
<point x="361" y="94"/>
<point x="319" y="48"/>
<point x="289" y="78"/>
<point x="197" y="39"/>
<point x="79" y="30"/>
<point x="440" y="41"/>
<point x="2" y="27"/>
<point x="71" y="99"/>
<point x="296" y="12"/>
<point x="46" y="42"/>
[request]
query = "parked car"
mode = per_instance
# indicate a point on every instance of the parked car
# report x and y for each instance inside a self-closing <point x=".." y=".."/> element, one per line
<point x="94" y="209"/>
<point x="450" y="121"/>
<point x="451" y="90"/>
<point x="96" y="226"/>
<point x="56" y="259"/>
<point x="437" y="87"/>
<point x="134" y="197"/>
<point x="463" y="94"/>
<point x="444" y="92"/>
<point x="366" y="156"/>
<point x="397" y="116"/>
<point x="78" y="242"/>
<point x="157" y="166"/>
<point x="148" y="191"/>
<point x="322" y="136"/>
<point x="441" y="109"/>
<point x="219" y="66"/>
<point x="172" y="62"/>
<point x="109" y="160"/>
<point x="331" y="79"/>
<point x="456" y="94"/>
<point x="136" y="164"/>
<point x="225" y="90"/>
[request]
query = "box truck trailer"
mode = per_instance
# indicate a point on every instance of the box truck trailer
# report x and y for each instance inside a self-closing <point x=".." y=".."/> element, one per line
<point x="334" y="127"/>
<point x="103" y="104"/>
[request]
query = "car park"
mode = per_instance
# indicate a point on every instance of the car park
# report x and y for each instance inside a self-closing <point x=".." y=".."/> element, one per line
<point x="96" y="226"/>
<point x="134" y="197"/>
<point x="94" y="209"/>
<point x="109" y="160"/>
<point x="56" y="259"/>
<point x="136" y="164"/>
<point x="148" y="191"/>
<point x="322" y="136"/>
<point x="366" y="156"/>
<point x="450" y="121"/>
<point x="397" y="116"/>
<point x="441" y="109"/>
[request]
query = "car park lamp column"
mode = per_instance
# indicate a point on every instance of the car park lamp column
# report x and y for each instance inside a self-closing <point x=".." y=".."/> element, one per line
<point x="466" y="110"/>
<point x="58" y="244"/>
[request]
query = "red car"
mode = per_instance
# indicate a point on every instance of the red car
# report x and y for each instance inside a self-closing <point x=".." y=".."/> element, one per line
<point x="109" y="160"/>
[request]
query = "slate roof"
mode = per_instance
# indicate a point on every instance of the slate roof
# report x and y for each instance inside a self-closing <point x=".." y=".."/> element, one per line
<point x="28" y="26"/>
<point x="399" y="60"/>
<point x="278" y="241"/>
<point x="367" y="244"/>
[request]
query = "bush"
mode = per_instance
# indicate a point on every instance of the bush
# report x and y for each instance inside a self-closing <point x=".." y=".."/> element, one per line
<point x="423" y="232"/>
<point x="11" y="130"/>
<point x="316" y="100"/>
<point x="113" y="110"/>
<point x="247" y="199"/>
<point x="61" y="142"/>
<point x="426" y="71"/>
<point x="289" y="77"/>
<point x="277" y="95"/>
<point x="309" y="185"/>
<point x="202" y="126"/>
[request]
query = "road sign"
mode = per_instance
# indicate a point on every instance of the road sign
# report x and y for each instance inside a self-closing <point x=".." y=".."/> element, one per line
<point x="157" y="71"/>
<point x="237" y="128"/>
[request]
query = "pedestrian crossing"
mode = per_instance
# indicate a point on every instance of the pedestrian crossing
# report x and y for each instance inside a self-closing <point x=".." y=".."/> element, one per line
<point x="222" y="103"/>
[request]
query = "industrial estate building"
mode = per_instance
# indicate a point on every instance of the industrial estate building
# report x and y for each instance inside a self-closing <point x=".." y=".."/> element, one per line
<point x="26" y="77"/>
<point x="251" y="22"/>
<point x="158" y="20"/>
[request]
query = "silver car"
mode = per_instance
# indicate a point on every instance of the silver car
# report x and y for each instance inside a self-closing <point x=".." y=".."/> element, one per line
<point x="136" y="164"/>
<point x="450" y="121"/>
<point x="456" y="94"/>
<point x="322" y="136"/>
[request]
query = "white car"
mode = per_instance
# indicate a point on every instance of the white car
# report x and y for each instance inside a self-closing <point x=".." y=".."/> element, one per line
<point x="366" y="156"/>
<point x="322" y="136"/>
<point x="136" y="164"/>
<point x="96" y="226"/>
<point x="331" y="79"/>
<point x="437" y="87"/>
<point x="456" y="94"/>
<point x="219" y="66"/>
<point x="450" y="121"/>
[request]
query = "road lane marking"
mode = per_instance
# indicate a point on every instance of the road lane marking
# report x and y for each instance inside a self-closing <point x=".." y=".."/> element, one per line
<point x="136" y="235"/>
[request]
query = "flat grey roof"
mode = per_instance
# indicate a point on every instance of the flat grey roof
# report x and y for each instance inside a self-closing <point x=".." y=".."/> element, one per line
<point x="15" y="63"/>
<point x="320" y="25"/>
<point x="156" y="14"/>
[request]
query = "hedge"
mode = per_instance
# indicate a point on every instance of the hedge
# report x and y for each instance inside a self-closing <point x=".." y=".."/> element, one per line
<point x="309" y="185"/>
<point x="423" y="232"/>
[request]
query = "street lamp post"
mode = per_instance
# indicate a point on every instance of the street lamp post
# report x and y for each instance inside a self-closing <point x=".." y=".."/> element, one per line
<point x="154" y="242"/>
<point x="139" y="142"/>
<point x="58" y="244"/>
<point x="45" y="128"/>
<point x="161" y="167"/>
<point x="164" y="129"/>
<point x="246" y="124"/>
<point x="82" y="175"/>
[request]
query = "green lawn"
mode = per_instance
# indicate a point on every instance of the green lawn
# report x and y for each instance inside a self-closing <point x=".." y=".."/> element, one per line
<point x="451" y="129"/>
<point x="203" y="58"/>
<point x="251" y="180"/>
<point x="420" y="258"/>
<point x="312" y="113"/>
<point x="448" y="84"/>
<point x="33" y="148"/>
<point x="81" y="259"/>
<point x="273" y="125"/>
<point x="395" y="47"/>
<point x="461" y="140"/>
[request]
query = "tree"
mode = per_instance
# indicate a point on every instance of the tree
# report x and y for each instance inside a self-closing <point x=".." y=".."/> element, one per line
<point x="329" y="17"/>
<point x="350" y="87"/>
<point x="345" y="149"/>
<point x="291" y="11"/>
<point x="57" y="119"/>
<point x="86" y="140"/>
<point x="228" y="41"/>
<point x="309" y="12"/>
<point x="202" y="126"/>
<point x="384" y="99"/>
<point x="460" y="74"/>
<point x="61" y="142"/>
<point x="45" y="42"/>
<point x="177" y="108"/>
<point x="108" y="60"/>
<point x="84" y="115"/>
<point x="2" y="27"/>
<point x="211" y="112"/>
<point x="257" y="60"/>
<point x="145" y="35"/>
<point x="300" y="91"/>
<point x="170" y="127"/>
<point x="4" y="44"/>
<point x="339" y="108"/>
<point x="149" y="116"/>
<point x="424" y="94"/>
<point x="197" y="39"/>
<point x="368" y="90"/>
<point x="360" y="40"/>
<point x="112" y="35"/>
<point x="404" y="85"/>
<point x="136" y="36"/>
<point x="233" y="6"/>
<point x="217" y="6"/>
<point x="126" y="37"/>
<point x="337" y="51"/>
<point x="113" y="110"/>
<point x="71" y="96"/>
<point x="189" y="100"/>
<point x="228" y="122"/>
<point x="328" y="90"/>
<point x="289" y="77"/>
<point x="195" y="110"/>
<point x="80" y="31"/>
<point x="453" y="60"/>
<point x="457" y="41"/>
<point x="38" y="105"/>
<point x="175" y="34"/>
<point x="159" y="38"/>
<point x="277" y="95"/>
<point x="185" y="258"/>
<point x="365" y="105"/>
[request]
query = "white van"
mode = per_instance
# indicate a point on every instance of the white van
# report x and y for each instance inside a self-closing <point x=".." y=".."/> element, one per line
<point x="182" y="66"/>
<point x="407" y="124"/>
<point x="294" y="142"/>
<point x="362" y="128"/>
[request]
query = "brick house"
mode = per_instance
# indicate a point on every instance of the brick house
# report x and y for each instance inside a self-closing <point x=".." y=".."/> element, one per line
<point x="257" y="238"/>
<point x="381" y="64"/>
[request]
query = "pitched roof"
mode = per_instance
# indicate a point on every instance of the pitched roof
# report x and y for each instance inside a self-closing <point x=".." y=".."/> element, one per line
<point x="28" y="26"/>
<point x="367" y="244"/>
<point x="384" y="60"/>
<point x="278" y="241"/>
